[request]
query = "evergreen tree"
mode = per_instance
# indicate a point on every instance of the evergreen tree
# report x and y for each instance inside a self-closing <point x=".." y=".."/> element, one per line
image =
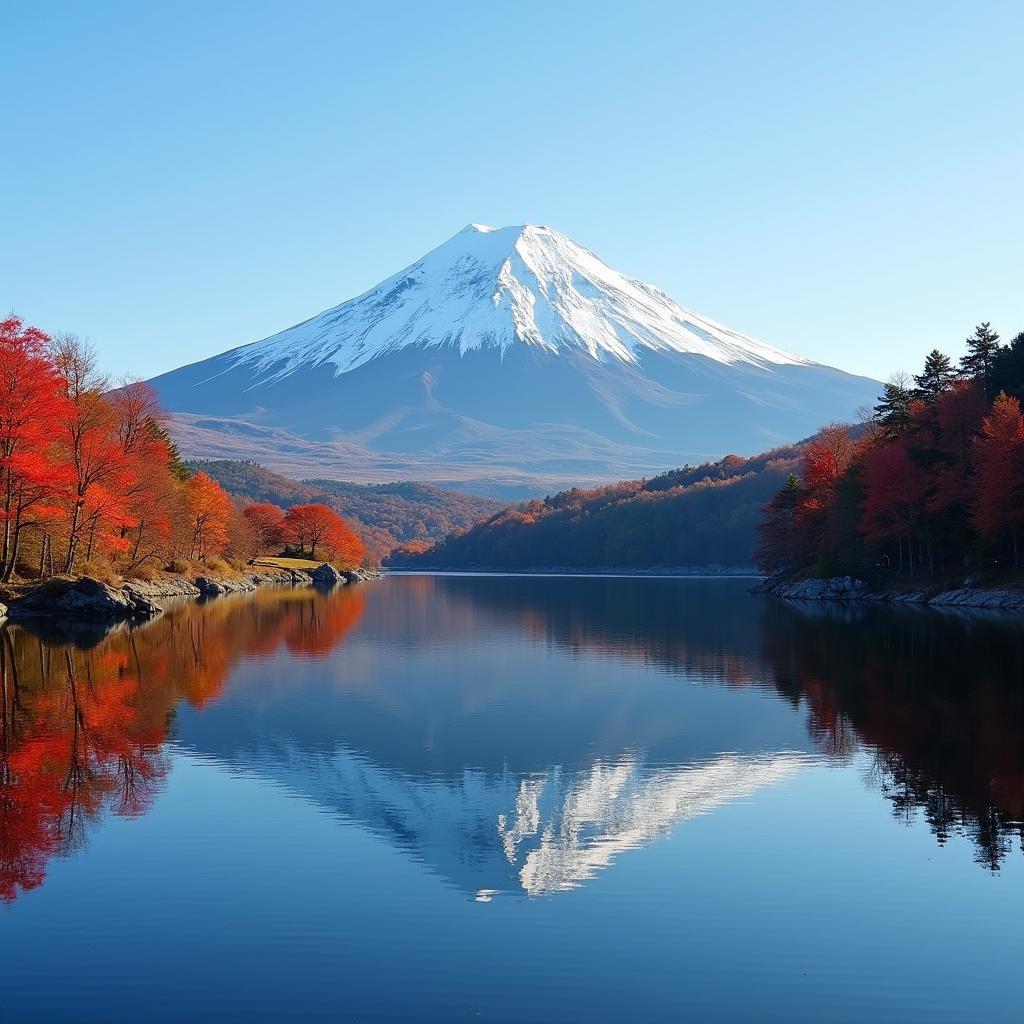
<point x="983" y="348"/>
<point x="781" y="546"/>
<point x="174" y="460"/>
<point x="893" y="408"/>
<point x="937" y="375"/>
<point x="1008" y="375"/>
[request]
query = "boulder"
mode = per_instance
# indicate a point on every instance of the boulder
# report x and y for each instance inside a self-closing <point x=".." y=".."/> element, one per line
<point x="360" y="575"/>
<point x="327" y="576"/>
<point x="85" y="598"/>
<point x="143" y="607"/>
<point x="838" y="588"/>
<point x="209" y="588"/>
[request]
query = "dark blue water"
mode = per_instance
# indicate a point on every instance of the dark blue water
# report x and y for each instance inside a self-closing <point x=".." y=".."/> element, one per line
<point x="514" y="799"/>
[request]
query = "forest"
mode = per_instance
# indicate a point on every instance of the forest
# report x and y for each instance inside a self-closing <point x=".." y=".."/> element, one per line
<point x="931" y="484"/>
<point x="691" y="516"/>
<point x="385" y="516"/>
<point x="930" y="481"/>
<point x="91" y="482"/>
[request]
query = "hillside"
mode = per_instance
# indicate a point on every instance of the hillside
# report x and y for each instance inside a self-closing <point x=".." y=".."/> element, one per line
<point x="692" y="516"/>
<point x="384" y="515"/>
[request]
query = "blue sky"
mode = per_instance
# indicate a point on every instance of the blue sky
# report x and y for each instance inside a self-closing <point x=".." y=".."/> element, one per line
<point x="841" y="180"/>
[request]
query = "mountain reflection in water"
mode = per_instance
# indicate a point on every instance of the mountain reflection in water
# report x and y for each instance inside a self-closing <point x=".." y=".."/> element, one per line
<point x="513" y="734"/>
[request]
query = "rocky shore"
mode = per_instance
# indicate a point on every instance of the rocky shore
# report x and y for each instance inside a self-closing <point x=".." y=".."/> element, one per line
<point x="850" y="588"/>
<point x="136" y="600"/>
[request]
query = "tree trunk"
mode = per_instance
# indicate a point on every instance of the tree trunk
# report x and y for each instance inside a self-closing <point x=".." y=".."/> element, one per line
<point x="8" y="497"/>
<point x="69" y="562"/>
<point x="15" y="545"/>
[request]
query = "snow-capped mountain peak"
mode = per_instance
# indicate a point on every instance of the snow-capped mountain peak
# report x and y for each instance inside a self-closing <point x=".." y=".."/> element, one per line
<point x="501" y="287"/>
<point x="510" y="357"/>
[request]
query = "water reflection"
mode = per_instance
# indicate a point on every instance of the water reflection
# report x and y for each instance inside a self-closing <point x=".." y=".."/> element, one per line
<point x="515" y="735"/>
<point x="83" y="729"/>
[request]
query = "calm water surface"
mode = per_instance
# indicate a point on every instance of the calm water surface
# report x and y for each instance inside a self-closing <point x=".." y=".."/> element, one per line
<point x="514" y="799"/>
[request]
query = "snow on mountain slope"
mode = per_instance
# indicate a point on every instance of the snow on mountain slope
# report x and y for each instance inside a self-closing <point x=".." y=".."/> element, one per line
<point x="507" y="361"/>
<point x="495" y="287"/>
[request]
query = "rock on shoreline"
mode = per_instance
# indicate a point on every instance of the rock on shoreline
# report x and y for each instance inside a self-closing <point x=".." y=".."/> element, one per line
<point x="850" y="588"/>
<point x="90" y="599"/>
<point x="82" y="598"/>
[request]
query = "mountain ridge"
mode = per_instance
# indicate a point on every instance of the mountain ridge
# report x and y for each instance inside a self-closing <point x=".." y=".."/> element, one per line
<point x="505" y="361"/>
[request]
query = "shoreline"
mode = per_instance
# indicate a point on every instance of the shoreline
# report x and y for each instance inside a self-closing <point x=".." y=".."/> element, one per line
<point x="851" y="589"/>
<point x="84" y="598"/>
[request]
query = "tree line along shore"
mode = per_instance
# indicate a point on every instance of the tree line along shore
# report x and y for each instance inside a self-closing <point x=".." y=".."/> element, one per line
<point x="925" y="495"/>
<point x="91" y="484"/>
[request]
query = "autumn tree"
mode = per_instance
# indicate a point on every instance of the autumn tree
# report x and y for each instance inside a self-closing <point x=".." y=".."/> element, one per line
<point x="309" y="527"/>
<point x="344" y="546"/>
<point x="207" y="511"/>
<point x="144" y="493"/>
<point x="999" y="499"/>
<point x="894" y="493"/>
<point x="268" y="525"/>
<point x="954" y="424"/>
<point x="87" y="434"/>
<point x="30" y="402"/>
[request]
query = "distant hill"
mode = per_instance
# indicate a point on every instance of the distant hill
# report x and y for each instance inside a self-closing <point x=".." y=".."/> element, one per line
<point x="384" y="515"/>
<point x="692" y="516"/>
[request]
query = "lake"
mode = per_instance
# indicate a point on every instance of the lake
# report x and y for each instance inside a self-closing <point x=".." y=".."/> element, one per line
<point x="514" y="799"/>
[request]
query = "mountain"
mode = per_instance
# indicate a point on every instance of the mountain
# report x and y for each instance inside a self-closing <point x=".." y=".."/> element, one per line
<point x="383" y="515"/>
<point x="507" y="359"/>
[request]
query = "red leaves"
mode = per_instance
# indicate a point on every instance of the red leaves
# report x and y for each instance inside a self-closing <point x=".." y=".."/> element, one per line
<point x="999" y="451"/>
<point x="954" y="466"/>
<point x="894" y="489"/>
<point x="30" y="402"/>
<point x="313" y="527"/>
<point x="267" y="523"/>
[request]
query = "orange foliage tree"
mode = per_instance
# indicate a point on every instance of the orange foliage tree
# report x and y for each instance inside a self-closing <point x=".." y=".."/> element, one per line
<point x="937" y="480"/>
<point x="309" y="527"/>
<point x="208" y="509"/>
<point x="267" y="523"/>
<point x="999" y="500"/>
<point x="29" y="403"/>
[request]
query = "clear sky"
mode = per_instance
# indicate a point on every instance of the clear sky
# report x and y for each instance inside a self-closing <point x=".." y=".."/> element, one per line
<point x="842" y="180"/>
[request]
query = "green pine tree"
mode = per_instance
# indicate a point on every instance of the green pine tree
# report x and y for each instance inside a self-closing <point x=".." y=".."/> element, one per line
<point x="177" y="466"/>
<point x="937" y="375"/>
<point x="982" y="351"/>
<point x="1008" y="374"/>
<point x="893" y="408"/>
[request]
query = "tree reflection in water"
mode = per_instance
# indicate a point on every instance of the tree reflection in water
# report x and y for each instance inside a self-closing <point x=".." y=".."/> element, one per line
<point x="83" y="728"/>
<point x="937" y="698"/>
<point x="937" y="701"/>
